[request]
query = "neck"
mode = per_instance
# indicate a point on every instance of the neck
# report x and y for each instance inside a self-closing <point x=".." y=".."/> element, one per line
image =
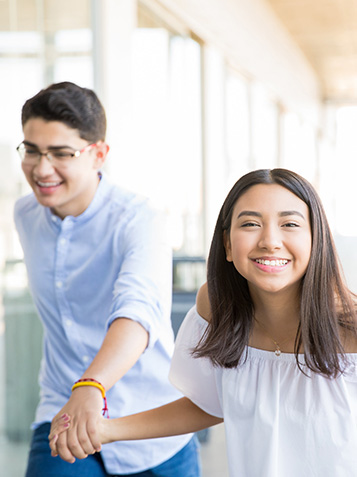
<point x="277" y="310"/>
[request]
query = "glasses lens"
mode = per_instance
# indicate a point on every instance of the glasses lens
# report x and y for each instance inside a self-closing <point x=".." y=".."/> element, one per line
<point x="28" y="154"/>
<point x="31" y="155"/>
<point x="60" y="155"/>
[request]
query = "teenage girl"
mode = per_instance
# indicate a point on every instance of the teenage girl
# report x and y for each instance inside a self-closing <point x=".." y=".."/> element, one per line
<point x="271" y="345"/>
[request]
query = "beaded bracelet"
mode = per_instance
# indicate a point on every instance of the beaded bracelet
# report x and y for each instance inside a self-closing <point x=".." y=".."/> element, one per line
<point x="95" y="384"/>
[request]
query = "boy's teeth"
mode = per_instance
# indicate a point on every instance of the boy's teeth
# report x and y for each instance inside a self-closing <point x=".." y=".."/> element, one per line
<point x="272" y="263"/>
<point x="47" y="184"/>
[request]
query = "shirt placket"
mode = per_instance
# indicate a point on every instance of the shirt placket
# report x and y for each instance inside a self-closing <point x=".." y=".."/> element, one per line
<point x="68" y="321"/>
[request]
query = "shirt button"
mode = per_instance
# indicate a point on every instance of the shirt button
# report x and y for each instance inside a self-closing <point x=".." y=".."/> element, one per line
<point x="59" y="284"/>
<point x="85" y="359"/>
<point x="69" y="322"/>
<point x="63" y="241"/>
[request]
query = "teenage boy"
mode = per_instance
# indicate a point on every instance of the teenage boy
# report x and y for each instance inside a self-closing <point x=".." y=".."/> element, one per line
<point x="99" y="269"/>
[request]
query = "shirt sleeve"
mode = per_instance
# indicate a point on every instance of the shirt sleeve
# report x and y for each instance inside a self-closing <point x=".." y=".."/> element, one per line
<point x="143" y="288"/>
<point x="196" y="378"/>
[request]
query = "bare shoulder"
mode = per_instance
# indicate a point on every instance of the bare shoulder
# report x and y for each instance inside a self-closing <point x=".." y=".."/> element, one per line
<point x="202" y="303"/>
<point x="348" y="328"/>
<point x="349" y="340"/>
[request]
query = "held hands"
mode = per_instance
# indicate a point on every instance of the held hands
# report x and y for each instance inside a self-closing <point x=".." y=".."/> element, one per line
<point x="77" y="436"/>
<point x="64" y="423"/>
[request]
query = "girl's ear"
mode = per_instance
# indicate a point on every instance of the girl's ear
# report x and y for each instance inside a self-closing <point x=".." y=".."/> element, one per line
<point x="227" y="246"/>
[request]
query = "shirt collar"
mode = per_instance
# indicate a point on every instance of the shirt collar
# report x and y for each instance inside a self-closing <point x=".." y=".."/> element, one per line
<point x="96" y="204"/>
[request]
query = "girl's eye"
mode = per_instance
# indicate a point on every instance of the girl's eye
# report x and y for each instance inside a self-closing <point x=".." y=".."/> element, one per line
<point x="291" y="224"/>
<point x="250" y="224"/>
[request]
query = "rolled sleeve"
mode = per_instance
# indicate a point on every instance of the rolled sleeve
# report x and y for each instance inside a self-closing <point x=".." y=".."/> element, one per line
<point x="142" y="291"/>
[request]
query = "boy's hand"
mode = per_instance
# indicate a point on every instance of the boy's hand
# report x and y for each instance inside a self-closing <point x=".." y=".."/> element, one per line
<point x="80" y="438"/>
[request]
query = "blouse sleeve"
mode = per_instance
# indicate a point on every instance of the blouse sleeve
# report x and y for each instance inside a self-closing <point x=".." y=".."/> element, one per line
<point x="196" y="378"/>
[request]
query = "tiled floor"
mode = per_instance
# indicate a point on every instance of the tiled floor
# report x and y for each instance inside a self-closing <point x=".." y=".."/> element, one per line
<point x="13" y="456"/>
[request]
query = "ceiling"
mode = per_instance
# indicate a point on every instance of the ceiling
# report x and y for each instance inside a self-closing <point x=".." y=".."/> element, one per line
<point x="326" y="31"/>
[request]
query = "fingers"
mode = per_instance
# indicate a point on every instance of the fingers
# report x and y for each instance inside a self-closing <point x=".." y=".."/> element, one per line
<point x="92" y="431"/>
<point x="53" y="446"/>
<point x="80" y="440"/>
<point x="59" y="425"/>
<point x="62" y="449"/>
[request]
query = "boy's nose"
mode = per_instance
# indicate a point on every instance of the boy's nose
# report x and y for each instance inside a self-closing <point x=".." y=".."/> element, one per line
<point x="44" y="166"/>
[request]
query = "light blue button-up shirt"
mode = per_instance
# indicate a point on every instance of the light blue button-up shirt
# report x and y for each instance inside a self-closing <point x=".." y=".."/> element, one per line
<point x="84" y="272"/>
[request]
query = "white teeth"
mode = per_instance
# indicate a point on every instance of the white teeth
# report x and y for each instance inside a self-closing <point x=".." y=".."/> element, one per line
<point x="272" y="263"/>
<point x="48" y="184"/>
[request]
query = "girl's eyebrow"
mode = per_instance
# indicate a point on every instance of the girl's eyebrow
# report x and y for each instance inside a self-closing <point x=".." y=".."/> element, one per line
<point x="250" y="213"/>
<point x="284" y="213"/>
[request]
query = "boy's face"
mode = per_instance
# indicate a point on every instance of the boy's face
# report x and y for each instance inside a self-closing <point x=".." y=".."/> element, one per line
<point x="66" y="188"/>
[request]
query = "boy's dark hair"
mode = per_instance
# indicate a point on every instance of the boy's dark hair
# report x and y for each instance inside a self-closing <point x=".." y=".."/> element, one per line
<point x="326" y="304"/>
<point x="76" y="107"/>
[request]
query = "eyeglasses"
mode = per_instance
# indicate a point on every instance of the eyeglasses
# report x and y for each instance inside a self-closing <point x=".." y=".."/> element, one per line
<point x="30" y="155"/>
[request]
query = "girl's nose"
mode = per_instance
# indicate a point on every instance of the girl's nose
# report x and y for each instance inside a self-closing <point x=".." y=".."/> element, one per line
<point x="270" y="238"/>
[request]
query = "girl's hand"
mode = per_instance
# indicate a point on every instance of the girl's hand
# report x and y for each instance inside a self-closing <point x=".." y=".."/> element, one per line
<point x="61" y="425"/>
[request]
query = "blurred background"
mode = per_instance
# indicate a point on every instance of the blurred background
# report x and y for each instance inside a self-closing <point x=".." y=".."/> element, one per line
<point x="197" y="93"/>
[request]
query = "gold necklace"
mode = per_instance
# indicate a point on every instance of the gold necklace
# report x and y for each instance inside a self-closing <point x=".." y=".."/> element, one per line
<point x="277" y="345"/>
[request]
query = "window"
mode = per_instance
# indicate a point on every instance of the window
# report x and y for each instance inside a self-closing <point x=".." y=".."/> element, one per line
<point x="238" y="126"/>
<point x="41" y="41"/>
<point x="166" y="157"/>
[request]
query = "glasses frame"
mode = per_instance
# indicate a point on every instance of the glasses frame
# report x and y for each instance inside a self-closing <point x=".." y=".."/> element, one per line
<point x="21" y="151"/>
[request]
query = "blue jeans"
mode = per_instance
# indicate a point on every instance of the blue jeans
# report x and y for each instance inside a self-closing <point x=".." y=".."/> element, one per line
<point x="186" y="463"/>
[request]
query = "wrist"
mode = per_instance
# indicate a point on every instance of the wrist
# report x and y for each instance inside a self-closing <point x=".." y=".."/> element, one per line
<point x="112" y="430"/>
<point x="92" y="383"/>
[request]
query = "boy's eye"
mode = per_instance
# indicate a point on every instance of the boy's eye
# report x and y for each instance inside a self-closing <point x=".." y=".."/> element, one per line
<point x="31" y="152"/>
<point x="61" y="154"/>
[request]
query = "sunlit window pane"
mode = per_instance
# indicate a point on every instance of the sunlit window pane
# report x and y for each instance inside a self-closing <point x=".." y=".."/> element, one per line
<point x="264" y="128"/>
<point x="237" y="127"/>
<point x="346" y="171"/>
<point x="20" y="42"/>
<point x="74" y="40"/>
<point x="166" y="158"/>
<point x="299" y="148"/>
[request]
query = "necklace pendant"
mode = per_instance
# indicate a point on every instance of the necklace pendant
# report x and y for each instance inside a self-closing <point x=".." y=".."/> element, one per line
<point x="277" y="352"/>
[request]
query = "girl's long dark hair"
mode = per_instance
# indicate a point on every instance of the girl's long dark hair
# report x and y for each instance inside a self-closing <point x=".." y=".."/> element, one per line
<point x="326" y="304"/>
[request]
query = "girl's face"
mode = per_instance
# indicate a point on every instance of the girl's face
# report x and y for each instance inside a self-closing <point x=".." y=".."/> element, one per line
<point x="269" y="241"/>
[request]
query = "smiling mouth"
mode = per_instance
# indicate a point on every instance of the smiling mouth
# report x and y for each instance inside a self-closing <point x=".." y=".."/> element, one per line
<point x="272" y="263"/>
<point x="48" y="184"/>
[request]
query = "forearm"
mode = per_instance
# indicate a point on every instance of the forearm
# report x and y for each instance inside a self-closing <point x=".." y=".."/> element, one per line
<point x="123" y="345"/>
<point x="178" y="417"/>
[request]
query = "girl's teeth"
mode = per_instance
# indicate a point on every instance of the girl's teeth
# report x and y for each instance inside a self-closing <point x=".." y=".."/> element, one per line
<point x="272" y="263"/>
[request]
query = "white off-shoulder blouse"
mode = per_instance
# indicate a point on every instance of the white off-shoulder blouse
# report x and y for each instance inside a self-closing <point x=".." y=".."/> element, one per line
<point x="278" y="421"/>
